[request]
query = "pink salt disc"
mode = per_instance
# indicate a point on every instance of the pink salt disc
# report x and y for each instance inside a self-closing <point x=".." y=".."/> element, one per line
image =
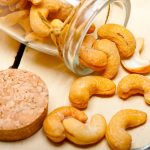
<point x="23" y="104"/>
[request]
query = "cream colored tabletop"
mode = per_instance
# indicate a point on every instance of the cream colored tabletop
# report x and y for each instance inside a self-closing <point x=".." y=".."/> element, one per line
<point x="59" y="79"/>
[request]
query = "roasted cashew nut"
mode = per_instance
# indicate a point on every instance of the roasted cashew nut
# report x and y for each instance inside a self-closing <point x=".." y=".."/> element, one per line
<point x="22" y="4"/>
<point x="123" y="38"/>
<point x="56" y="25"/>
<point x="82" y="134"/>
<point x="7" y="2"/>
<point x="83" y="88"/>
<point x="134" y="84"/>
<point x="137" y="64"/>
<point x="14" y="5"/>
<point x="25" y="24"/>
<point x="116" y="134"/>
<point x="18" y="17"/>
<point x="14" y="18"/>
<point x="90" y="57"/>
<point x="33" y="37"/>
<point x="62" y="13"/>
<point x="38" y="16"/>
<point x="53" y="126"/>
<point x="111" y="50"/>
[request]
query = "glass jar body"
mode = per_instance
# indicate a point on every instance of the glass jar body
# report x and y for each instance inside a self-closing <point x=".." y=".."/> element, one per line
<point x="99" y="12"/>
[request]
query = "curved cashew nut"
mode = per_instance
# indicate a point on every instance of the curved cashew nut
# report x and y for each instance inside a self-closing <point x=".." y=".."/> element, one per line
<point x="137" y="64"/>
<point x="83" y="88"/>
<point x="53" y="126"/>
<point x="22" y="4"/>
<point x="82" y="134"/>
<point x="33" y="37"/>
<point x="111" y="50"/>
<point x="25" y="24"/>
<point x="63" y="12"/>
<point x="134" y="84"/>
<point x="123" y="38"/>
<point x="17" y="17"/>
<point x="56" y="24"/>
<point x="19" y="5"/>
<point x="38" y="16"/>
<point x="116" y="134"/>
<point x="90" y="57"/>
<point x="7" y="2"/>
<point x="14" y="5"/>
<point x="14" y="18"/>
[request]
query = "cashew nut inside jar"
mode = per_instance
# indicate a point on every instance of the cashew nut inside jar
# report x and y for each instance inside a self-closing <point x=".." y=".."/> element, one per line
<point x="58" y="27"/>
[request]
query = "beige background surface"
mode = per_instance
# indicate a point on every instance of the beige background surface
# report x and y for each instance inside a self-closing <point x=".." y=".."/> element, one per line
<point x="59" y="79"/>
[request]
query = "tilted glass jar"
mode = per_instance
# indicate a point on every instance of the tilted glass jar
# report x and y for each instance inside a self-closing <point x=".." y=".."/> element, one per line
<point x="67" y="41"/>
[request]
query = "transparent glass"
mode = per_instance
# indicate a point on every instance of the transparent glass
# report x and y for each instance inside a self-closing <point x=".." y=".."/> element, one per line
<point x="119" y="13"/>
<point x="67" y="42"/>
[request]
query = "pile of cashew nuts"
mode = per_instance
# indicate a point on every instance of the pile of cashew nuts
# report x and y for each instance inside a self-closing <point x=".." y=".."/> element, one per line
<point x="69" y="122"/>
<point x="45" y="19"/>
<point x="114" y="45"/>
<point x="38" y="18"/>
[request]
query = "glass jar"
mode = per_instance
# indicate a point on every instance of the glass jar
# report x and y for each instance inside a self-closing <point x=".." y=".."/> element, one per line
<point x="67" y="41"/>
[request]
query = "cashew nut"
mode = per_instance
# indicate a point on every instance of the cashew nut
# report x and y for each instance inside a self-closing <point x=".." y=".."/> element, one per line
<point x="56" y="25"/>
<point x="7" y="2"/>
<point x="83" y="88"/>
<point x="111" y="50"/>
<point x="14" y="18"/>
<point x="25" y="24"/>
<point x="21" y="4"/>
<point x="116" y="134"/>
<point x="90" y="57"/>
<point x="33" y="37"/>
<point x="137" y="64"/>
<point x="123" y="38"/>
<point x="19" y="17"/>
<point x="53" y="126"/>
<point x="38" y="16"/>
<point x="134" y="84"/>
<point x="82" y="134"/>
<point x="62" y="13"/>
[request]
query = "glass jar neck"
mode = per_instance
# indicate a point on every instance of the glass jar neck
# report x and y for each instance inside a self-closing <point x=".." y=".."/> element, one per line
<point x="77" y="25"/>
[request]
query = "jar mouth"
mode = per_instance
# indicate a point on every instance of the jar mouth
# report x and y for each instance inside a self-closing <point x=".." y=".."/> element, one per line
<point x="80" y="24"/>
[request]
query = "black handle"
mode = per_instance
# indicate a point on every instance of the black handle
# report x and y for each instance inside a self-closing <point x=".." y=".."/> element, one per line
<point x="19" y="56"/>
